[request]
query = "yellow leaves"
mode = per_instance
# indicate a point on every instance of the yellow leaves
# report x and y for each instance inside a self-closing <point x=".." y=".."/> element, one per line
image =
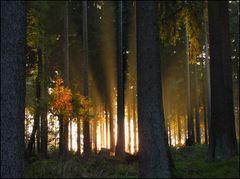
<point x="170" y="28"/>
<point x="61" y="99"/>
<point x="193" y="30"/>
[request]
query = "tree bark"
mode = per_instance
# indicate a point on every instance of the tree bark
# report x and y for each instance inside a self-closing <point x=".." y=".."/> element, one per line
<point x="190" y="139"/>
<point x="154" y="155"/>
<point x="120" y="148"/>
<point x="65" y="120"/>
<point x="78" y="137"/>
<point x="197" y="115"/>
<point x="44" y="120"/>
<point x="86" y="131"/>
<point x="36" y="127"/>
<point x="112" y="133"/>
<point x="13" y="35"/>
<point x="222" y="136"/>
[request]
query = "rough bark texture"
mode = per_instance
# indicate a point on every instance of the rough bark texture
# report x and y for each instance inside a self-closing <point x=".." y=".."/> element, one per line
<point x="86" y="131"/>
<point x="222" y="139"/>
<point x="120" y="148"/>
<point x="12" y="88"/>
<point x="154" y="156"/>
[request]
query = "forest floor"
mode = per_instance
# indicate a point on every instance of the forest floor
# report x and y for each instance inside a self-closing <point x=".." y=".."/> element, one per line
<point x="190" y="162"/>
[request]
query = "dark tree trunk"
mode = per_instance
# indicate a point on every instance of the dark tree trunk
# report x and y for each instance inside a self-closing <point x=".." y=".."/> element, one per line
<point x="86" y="131"/>
<point x="190" y="139"/>
<point x="207" y="88"/>
<point x="13" y="23"/>
<point x="179" y="130"/>
<point x="120" y="148"/>
<point x="78" y="137"/>
<point x="70" y="135"/>
<point x="44" y="122"/>
<point x="197" y="115"/>
<point x="106" y="121"/>
<point x="154" y="156"/>
<point x="36" y="126"/>
<point x="204" y="105"/>
<point x="112" y="134"/>
<point x="65" y="120"/>
<point x="222" y="136"/>
<point x="129" y="126"/>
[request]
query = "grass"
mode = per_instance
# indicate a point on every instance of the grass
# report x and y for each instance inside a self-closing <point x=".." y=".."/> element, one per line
<point x="190" y="162"/>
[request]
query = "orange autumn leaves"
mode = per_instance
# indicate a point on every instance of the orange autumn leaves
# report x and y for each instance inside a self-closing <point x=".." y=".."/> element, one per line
<point x="64" y="103"/>
<point x="61" y="99"/>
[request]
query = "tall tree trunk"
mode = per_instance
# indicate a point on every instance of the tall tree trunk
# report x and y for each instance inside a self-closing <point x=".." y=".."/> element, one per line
<point x="154" y="155"/>
<point x="222" y="136"/>
<point x="197" y="115"/>
<point x="170" y="133"/>
<point x="190" y="139"/>
<point x="36" y="127"/>
<point x="204" y="105"/>
<point x="106" y="121"/>
<point x="86" y="131"/>
<point x="120" y="148"/>
<point x="112" y="133"/>
<point x="135" y="121"/>
<point x="129" y="126"/>
<point x="13" y="23"/>
<point x="65" y="120"/>
<point x="207" y="84"/>
<point x="78" y="137"/>
<point x="179" y="130"/>
<point x="44" y="122"/>
<point x="70" y="135"/>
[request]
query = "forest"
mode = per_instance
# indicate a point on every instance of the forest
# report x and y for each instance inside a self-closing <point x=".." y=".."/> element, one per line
<point x="120" y="89"/>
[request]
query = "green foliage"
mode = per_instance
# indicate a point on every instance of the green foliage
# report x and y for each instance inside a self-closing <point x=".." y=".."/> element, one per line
<point x="190" y="162"/>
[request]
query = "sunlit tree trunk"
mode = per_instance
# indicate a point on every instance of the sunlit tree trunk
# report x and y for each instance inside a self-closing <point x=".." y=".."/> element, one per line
<point x="222" y="136"/>
<point x="86" y="131"/>
<point x="120" y="148"/>
<point x="154" y="155"/>
<point x="13" y="23"/>
<point x="134" y="120"/>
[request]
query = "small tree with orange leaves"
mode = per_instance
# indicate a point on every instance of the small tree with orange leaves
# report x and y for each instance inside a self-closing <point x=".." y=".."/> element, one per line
<point x="61" y="99"/>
